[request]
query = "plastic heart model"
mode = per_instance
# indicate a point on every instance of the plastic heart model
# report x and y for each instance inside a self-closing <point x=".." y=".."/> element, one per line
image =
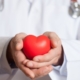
<point x="34" y="46"/>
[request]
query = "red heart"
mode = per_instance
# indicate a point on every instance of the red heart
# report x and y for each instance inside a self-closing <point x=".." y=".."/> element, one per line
<point x="33" y="46"/>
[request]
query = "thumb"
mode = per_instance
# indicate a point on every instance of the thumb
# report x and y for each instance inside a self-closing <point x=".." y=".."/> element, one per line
<point x="53" y="38"/>
<point x="53" y="43"/>
<point x="18" y="40"/>
<point x="19" y="45"/>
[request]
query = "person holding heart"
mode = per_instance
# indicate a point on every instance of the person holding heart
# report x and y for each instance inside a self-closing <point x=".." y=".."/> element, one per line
<point x="50" y="18"/>
<point x="39" y="65"/>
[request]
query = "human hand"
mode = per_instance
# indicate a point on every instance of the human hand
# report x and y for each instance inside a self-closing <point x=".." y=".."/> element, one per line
<point x="14" y="53"/>
<point x="53" y="57"/>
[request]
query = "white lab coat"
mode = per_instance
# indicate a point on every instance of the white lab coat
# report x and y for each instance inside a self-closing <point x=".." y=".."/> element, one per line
<point x="36" y="17"/>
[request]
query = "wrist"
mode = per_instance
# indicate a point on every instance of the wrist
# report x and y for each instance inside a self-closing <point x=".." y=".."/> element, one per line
<point x="61" y="58"/>
<point x="9" y="53"/>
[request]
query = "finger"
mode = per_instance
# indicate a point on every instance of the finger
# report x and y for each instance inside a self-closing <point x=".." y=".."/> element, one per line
<point x="19" y="58"/>
<point x="42" y="71"/>
<point x="18" y="45"/>
<point x="20" y="36"/>
<point x="18" y="41"/>
<point x="25" y="61"/>
<point x="53" y="37"/>
<point x="27" y="71"/>
<point x="34" y="65"/>
<point x="46" y="57"/>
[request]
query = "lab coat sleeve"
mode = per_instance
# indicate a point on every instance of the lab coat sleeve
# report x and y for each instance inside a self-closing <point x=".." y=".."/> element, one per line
<point x="63" y="68"/>
<point x="4" y="66"/>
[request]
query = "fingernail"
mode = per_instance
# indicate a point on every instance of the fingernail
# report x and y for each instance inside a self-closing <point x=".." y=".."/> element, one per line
<point x="25" y="61"/>
<point x="36" y="60"/>
<point x="30" y="64"/>
<point x="33" y="76"/>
